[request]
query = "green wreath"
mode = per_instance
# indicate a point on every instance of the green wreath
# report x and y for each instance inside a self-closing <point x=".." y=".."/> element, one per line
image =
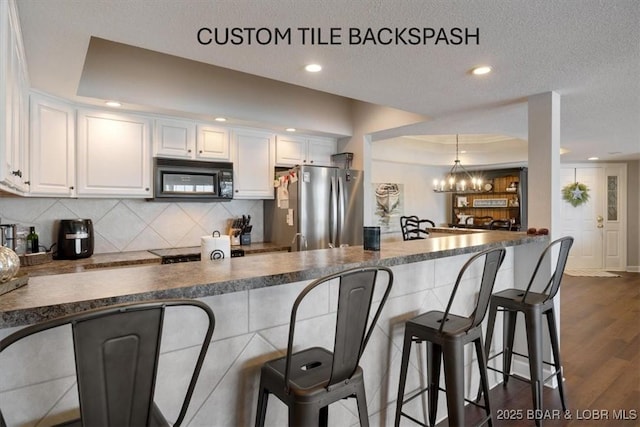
<point x="575" y="194"/>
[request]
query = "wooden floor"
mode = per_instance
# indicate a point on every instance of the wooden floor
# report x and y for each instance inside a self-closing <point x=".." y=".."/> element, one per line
<point x="600" y="350"/>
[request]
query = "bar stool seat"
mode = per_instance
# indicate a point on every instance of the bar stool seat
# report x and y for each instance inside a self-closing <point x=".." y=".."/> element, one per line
<point x="445" y="335"/>
<point x="534" y="305"/>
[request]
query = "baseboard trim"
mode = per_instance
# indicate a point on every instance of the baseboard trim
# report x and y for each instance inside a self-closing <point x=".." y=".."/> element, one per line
<point x="520" y="366"/>
<point x="633" y="268"/>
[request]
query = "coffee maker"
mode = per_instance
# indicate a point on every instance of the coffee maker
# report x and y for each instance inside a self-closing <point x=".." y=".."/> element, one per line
<point x="75" y="239"/>
<point x="8" y="235"/>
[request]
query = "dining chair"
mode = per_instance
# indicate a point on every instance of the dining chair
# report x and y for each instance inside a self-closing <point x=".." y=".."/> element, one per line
<point x="414" y="228"/>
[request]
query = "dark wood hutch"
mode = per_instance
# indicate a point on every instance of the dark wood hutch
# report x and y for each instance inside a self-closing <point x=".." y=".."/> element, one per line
<point x="503" y="196"/>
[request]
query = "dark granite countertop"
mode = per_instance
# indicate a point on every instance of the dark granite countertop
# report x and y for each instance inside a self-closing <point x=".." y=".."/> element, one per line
<point x="124" y="259"/>
<point x="46" y="297"/>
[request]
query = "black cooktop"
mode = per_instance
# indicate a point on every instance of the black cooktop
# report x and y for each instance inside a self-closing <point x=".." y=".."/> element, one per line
<point x="190" y="250"/>
<point x="186" y="254"/>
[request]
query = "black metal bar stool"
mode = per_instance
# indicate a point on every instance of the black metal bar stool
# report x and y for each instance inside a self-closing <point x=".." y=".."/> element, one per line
<point x="116" y="354"/>
<point x="446" y="335"/>
<point x="533" y="305"/>
<point x="309" y="380"/>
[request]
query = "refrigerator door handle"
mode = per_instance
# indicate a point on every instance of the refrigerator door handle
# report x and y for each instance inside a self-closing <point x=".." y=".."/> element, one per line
<point x="341" y="212"/>
<point x="334" y="213"/>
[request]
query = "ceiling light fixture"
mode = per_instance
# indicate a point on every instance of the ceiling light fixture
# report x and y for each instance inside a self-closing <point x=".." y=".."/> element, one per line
<point x="593" y="158"/>
<point x="290" y="129"/>
<point x="313" y="68"/>
<point x="113" y="104"/>
<point x="478" y="71"/>
<point x="220" y="119"/>
<point x="458" y="179"/>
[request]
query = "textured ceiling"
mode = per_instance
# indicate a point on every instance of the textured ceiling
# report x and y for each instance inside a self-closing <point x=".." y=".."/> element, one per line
<point x="587" y="51"/>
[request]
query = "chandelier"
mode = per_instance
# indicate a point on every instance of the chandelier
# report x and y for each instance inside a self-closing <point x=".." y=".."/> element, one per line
<point x="458" y="180"/>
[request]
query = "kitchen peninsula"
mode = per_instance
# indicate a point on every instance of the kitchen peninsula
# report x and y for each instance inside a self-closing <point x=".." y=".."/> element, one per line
<point x="251" y="298"/>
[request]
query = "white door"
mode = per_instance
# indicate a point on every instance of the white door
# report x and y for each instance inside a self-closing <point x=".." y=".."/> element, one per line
<point x="599" y="225"/>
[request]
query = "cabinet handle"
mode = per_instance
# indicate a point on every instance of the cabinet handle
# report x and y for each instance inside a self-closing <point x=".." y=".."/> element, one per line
<point x="71" y="188"/>
<point x="146" y="189"/>
<point x="236" y="191"/>
<point x="311" y="161"/>
<point x="200" y="151"/>
<point x="17" y="173"/>
<point x="27" y="182"/>
<point x="189" y="150"/>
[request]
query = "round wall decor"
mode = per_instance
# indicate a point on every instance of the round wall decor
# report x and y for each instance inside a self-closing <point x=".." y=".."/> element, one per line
<point x="575" y="193"/>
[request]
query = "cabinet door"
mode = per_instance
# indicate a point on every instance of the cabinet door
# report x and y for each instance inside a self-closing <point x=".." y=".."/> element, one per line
<point x="213" y="142"/>
<point x="174" y="138"/>
<point x="52" y="148"/>
<point x="319" y="151"/>
<point x="291" y="150"/>
<point x="254" y="161"/>
<point x="14" y="105"/>
<point x="114" y="155"/>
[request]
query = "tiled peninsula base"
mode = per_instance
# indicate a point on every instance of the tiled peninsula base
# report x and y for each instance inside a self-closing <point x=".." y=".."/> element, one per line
<point x="252" y="327"/>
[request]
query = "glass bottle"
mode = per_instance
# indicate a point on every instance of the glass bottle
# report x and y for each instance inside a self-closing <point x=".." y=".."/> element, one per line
<point x="32" y="241"/>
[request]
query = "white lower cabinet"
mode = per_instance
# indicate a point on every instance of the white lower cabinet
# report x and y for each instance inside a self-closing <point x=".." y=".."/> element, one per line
<point x="114" y="155"/>
<point x="52" y="148"/>
<point x="253" y="164"/>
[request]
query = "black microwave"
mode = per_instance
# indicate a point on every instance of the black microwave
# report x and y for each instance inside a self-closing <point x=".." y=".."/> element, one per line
<point x="192" y="180"/>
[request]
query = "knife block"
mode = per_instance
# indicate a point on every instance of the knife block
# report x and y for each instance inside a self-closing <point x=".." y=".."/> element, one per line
<point x="234" y="235"/>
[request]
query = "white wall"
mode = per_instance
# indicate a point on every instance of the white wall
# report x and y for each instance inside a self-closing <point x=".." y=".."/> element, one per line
<point x="419" y="198"/>
<point x="633" y="216"/>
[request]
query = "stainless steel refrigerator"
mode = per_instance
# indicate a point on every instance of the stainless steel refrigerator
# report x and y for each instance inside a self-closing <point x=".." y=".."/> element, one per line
<point x="324" y="209"/>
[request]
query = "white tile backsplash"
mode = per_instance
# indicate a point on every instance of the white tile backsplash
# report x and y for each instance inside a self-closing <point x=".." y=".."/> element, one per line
<point x="131" y="224"/>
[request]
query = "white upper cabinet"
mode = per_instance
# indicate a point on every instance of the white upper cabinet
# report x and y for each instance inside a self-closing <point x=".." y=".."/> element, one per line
<point x="304" y="150"/>
<point x="213" y="142"/>
<point x="253" y="164"/>
<point x="114" y="155"/>
<point x="188" y="140"/>
<point x="320" y="150"/>
<point x="14" y="103"/>
<point x="52" y="148"/>
<point x="174" y="138"/>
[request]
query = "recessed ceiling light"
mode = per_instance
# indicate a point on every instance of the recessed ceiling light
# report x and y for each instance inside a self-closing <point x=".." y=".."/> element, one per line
<point x="113" y="104"/>
<point x="593" y="158"/>
<point x="484" y="69"/>
<point x="313" y="68"/>
<point x="290" y="129"/>
<point x="220" y="119"/>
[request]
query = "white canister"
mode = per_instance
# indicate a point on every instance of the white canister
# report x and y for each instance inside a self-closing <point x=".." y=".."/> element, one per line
<point x="215" y="247"/>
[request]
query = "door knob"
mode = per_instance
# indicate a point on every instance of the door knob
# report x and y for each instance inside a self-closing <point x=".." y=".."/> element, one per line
<point x="600" y="226"/>
<point x="599" y="218"/>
